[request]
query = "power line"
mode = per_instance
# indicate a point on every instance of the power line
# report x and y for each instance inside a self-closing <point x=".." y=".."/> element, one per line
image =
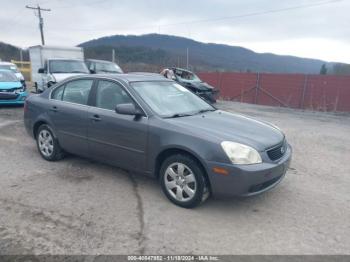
<point x="271" y="11"/>
<point x="279" y="10"/>
<point x="41" y="20"/>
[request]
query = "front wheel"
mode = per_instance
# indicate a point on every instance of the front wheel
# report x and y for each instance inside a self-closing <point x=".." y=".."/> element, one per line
<point x="183" y="181"/>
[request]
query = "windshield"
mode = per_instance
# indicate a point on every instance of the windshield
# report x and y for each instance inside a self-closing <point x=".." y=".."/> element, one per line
<point x="108" y="68"/>
<point x="186" y="76"/>
<point x="7" y="77"/>
<point x="67" y="66"/>
<point x="13" y="68"/>
<point x="169" y="99"/>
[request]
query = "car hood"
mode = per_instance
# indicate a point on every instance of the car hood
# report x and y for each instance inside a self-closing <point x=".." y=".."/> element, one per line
<point x="61" y="76"/>
<point x="9" y="85"/>
<point x="221" y="126"/>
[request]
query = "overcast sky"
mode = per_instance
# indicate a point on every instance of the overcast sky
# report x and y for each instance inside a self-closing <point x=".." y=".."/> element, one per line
<point x="307" y="28"/>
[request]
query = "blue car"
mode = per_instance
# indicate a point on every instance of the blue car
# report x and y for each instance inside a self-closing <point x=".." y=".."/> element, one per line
<point x="12" y="91"/>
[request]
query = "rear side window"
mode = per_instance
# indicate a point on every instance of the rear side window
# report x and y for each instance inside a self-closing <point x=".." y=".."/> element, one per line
<point x="57" y="93"/>
<point x="77" y="91"/>
<point x="110" y="94"/>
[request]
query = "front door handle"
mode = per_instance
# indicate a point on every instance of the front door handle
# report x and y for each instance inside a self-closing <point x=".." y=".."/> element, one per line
<point x="95" y="118"/>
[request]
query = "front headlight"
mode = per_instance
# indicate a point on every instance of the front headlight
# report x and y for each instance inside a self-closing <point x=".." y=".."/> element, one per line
<point x="240" y="154"/>
<point x="19" y="90"/>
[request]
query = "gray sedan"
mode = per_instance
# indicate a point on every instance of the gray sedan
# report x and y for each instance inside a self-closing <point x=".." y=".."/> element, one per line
<point x="154" y="126"/>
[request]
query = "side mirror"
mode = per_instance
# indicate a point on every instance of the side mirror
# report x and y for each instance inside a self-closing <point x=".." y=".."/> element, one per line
<point x="92" y="71"/>
<point x="128" y="109"/>
<point x="41" y="71"/>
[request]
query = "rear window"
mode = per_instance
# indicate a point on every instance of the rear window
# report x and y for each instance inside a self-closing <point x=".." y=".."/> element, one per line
<point x="57" y="93"/>
<point x="77" y="91"/>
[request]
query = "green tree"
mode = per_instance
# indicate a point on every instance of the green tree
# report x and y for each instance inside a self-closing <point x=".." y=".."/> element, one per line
<point x="323" y="70"/>
<point x="341" y="69"/>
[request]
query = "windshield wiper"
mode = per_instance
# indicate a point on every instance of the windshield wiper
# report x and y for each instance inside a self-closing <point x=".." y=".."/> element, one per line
<point x="178" y="115"/>
<point x="205" y="110"/>
<point x="108" y="71"/>
<point x="78" y="72"/>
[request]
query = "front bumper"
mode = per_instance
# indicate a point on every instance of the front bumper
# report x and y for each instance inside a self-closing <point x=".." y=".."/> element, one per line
<point x="248" y="180"/>
<point x="7" y="98"/>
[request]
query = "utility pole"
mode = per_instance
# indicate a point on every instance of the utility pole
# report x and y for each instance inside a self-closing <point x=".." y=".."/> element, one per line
<point x="113" y="55"/>
<point x="41" y="20"/>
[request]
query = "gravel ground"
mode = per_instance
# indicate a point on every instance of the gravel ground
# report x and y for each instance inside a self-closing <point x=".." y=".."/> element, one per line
<point x="76" y="206"/>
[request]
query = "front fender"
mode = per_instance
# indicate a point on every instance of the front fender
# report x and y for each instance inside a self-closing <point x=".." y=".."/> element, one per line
<point x="165" y="137"/>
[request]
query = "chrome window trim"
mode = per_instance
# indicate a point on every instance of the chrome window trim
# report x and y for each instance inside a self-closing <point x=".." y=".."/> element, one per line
<point x="65" y="88"/>
<point x="71" y="103"/>
<point x="63" y="82"/>
<point x="97" y="78"/>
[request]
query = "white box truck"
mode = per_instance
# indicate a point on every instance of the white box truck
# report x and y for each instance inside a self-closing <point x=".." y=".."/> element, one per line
<point x="52" y="64"/>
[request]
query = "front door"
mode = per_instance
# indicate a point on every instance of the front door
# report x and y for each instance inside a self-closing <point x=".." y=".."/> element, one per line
<point x="118" y="139"/>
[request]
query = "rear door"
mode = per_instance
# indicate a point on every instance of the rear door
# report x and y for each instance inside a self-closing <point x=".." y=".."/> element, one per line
<point x="69" y="114"/>
<point x="118" y="139"/>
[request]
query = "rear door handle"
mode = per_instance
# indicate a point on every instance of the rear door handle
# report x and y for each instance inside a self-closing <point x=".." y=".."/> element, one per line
<point x="54" y="109"/>
<point x="95" y="118"/>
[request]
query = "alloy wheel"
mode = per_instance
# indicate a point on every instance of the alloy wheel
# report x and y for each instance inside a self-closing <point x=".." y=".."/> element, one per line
<point x="46" y="144"/>
<point x="180" y="182"/>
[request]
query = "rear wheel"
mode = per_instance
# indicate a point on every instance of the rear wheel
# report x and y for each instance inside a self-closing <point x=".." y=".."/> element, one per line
<point x="183" y="181"/>
<point x="48" y="145"/>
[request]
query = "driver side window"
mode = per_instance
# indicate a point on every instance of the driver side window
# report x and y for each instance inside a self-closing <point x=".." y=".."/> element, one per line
<point x="110" y="94"/>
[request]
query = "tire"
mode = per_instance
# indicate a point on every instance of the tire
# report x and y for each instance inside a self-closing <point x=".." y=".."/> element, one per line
<point x="48" y="145"/>
<point x="186" y="188"/>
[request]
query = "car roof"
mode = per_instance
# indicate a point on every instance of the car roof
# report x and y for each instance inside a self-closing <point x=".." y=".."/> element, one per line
<point x="74" y="59"/>
<point x="131" y="77"/>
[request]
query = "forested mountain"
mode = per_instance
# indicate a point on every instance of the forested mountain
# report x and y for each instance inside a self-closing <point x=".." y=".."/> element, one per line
<point x="166" y="50"/>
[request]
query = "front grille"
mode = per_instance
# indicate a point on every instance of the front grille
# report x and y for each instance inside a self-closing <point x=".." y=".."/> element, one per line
<point x="8" y="90"/>
<point x="278" y="151"/>
<point x="8" y="96"/>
